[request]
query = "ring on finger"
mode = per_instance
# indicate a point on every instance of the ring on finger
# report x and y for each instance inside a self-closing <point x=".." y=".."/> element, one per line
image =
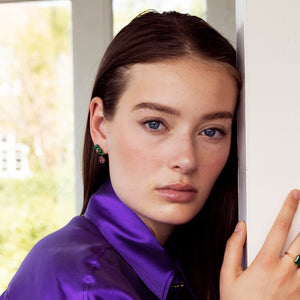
<point x="296" y="258"/>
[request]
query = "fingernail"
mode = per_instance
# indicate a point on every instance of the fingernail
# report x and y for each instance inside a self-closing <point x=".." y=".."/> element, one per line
<point x="296" y="194"/>
<point x="238" y="226"/>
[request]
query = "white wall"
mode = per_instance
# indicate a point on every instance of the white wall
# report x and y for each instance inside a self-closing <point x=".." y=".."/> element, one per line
<point x="269" y="146"/>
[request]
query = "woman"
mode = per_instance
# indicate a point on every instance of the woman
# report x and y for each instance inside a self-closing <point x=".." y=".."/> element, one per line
<point x="159" y="173"/>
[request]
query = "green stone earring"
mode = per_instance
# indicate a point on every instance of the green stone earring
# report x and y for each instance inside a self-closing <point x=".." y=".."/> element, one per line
<point x="100" y="153"/>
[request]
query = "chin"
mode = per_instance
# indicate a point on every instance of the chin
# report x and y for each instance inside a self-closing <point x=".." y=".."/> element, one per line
<point x="181" y="215"/>
<point x="180" y="220"/>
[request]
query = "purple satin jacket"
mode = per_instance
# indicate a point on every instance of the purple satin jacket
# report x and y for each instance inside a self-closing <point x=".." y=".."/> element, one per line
<point x="108" y="253"/>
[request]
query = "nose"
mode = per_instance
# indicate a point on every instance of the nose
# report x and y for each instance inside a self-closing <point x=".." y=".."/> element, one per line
<point x="183" y="157"/>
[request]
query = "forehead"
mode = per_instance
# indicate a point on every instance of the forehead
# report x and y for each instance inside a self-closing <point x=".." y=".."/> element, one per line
<point x="189" y="63"/>
<point x="181" y="81"/>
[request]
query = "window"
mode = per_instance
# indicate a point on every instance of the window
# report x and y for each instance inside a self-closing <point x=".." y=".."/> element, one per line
<point x="4" y="161"/>
<point x="125" y="10"/>
<point x="36" y="133"/>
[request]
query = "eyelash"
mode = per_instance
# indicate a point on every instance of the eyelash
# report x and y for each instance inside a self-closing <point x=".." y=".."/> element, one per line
<point x="219" y="131"/>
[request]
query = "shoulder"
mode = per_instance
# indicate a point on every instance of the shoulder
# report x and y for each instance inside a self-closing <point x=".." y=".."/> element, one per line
<point x="75" y="262"/>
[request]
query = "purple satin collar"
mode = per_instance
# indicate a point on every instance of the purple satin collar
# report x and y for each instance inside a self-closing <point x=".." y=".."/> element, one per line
<point x="126" y="232"/>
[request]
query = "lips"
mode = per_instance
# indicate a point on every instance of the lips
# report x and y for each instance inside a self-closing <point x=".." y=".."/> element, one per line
<point x="177" y="192"/>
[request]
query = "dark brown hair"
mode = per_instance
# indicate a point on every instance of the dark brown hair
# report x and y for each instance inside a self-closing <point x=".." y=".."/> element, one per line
<point x="153" y="37"/>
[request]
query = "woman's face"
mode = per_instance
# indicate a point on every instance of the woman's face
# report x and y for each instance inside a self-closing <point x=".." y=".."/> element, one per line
<point x="169" y="139"/>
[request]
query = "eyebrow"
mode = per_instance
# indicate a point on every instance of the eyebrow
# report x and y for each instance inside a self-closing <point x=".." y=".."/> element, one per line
<point x="217" y="115"/>
<point x="172" y="111"/>
<point x="156" y="106"/>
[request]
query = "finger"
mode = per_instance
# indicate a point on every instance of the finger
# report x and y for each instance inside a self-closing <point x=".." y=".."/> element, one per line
<point x="280" y="229"/>
<point x="232" y="261"/>
<point x="292" y="252"/>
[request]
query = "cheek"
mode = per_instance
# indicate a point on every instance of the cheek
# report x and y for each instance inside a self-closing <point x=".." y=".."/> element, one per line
<point x="214" y="162"/>
<point x="222" y="157"/>
<point x="130" y="155"/>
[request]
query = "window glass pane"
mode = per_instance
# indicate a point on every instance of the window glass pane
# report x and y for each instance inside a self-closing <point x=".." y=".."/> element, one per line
<point x="36" y="127"/>
<point x="125" y="10"/>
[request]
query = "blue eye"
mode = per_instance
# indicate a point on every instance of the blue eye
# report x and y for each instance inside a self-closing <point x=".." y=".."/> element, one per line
<point x="213" y="133"/>
<point x="153" y="124"/>
<point x="210" y="132"/>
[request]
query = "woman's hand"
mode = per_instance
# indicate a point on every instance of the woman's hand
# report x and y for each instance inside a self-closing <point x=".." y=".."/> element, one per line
<point x="270" y="276"/>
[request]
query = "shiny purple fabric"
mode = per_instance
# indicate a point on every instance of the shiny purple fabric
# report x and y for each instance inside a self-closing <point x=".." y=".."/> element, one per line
<point x="108" y="253"/>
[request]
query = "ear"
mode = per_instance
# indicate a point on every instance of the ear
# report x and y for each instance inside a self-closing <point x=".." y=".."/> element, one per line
<point x="98" y="124"/>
